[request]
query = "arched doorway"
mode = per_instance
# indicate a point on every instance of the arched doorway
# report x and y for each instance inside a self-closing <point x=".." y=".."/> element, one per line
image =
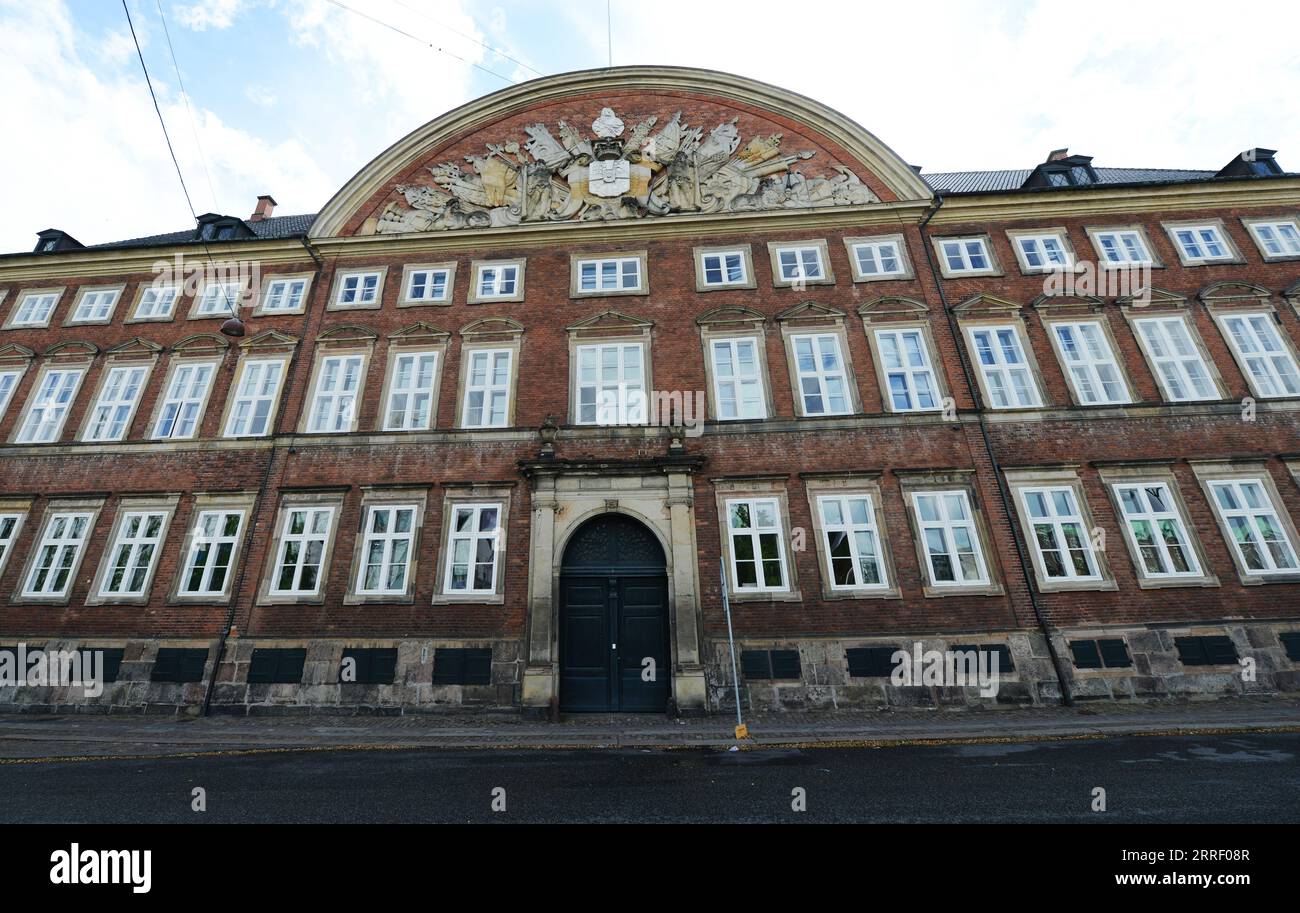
<point x="613" y="636"/>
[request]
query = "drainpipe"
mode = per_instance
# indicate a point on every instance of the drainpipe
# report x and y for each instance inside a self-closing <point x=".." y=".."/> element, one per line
<point x="1003" y="494"/>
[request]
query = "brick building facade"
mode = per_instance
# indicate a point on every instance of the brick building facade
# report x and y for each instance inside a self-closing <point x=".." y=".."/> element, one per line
<point x="1050" y="412"/>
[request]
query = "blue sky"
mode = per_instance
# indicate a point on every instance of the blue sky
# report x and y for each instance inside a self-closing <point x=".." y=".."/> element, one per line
<point x="291" y="97"/>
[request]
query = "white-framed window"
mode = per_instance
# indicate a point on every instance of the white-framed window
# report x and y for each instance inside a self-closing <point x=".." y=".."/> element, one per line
<point x="1060" y="534"/>
<point x="820" y="371"/>
<point x="800" y="264"/>
<point x="255" y="396"/>
<point x="303" y="538"/>
<point x="1277" y="239"/>
<point x="1258" y="535"/>
<point x="1155" y="528"/>
<point x="113" y="409"/>
<point x="909" y="377"/>
<point x="219" y="299"/>
<point x="334" y="401"/>
<point x="34" y="309"/>
<point x="134" y="552"/>
<point x="10" y="523"/>
<point x="1201" y="243"/>
<point x="614" y="274"/>
<point x="429" y="285"/>
<point x="386" y="550"/>
<point x="473" y="540"/>
<point x="358" y="289"/>
<point x="95" y="305"/>
<point x="213" y="545"/>
<point x="497" y="281"/>
<point x="1177" y="358"/>
<point x="1090" y="363"/>
<point x="1123" y="247"/>
<point x="852" y="542"/>
<point x="611" y="384"/>
<point x="58" y="554"/>
<point x="49" y="405"/>
<point x="878" y="259"/>
<point x="952" y="543"/>
<point x="757" y="549"/>
<point x="410" y="392"/>
<point x="284" y="296"/>
<point x="737" y="379"/>
<point x="157" y="302"/>
<point x="724" y="267"/>
<point x="487" y="388"/>
<point x="966" y="255"/>
<point x="182" y="405"/>
<point x="8" y="384"/>
<point x="1259" y="347"/>
<point x="1008" y="379"/>
<point x="1044" y="252"/>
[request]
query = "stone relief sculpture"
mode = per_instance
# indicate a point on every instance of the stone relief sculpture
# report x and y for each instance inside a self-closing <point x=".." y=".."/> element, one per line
<point x="609" y="175"/>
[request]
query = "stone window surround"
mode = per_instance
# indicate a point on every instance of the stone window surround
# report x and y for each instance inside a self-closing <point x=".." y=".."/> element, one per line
<point x="1093" y="231"/>
<point x="19" y="295"/>
<point x="1120" y="474"/>
<point x="223" y="314"/>
<point x="178" y="360"/>
<point x="745" y="249"/>
<point x="900" y="244"/>
<point x="575" y="273"/>
<point x="326" y="348"/>
<point x="60" y="505"/>
<point x="407" y="269"/>
<point x="141" y="288"/>
<point x="111" y="361"/>
<point x="71" y="321"/>
<point x="333" y="303"/>
<point x="475" y="271"/>
<point x="243" y="502"/>
<point x="18" y="362"/>
<point x="1249" y="223"/>
<point x="22" y="506"/>
<point x="749" y="487"/>
<point x="1058" y="477"/>
<point x="1049" y="322"/>
<point x="1062" y="234"/>
<point x="905" y="322"/>
<point x="920" y="481"/>
<point x="416" y="496"/>
<point x="166" y="504"/>
<point x="1218" y="312"/>
<point x="463" y="494"/>
<point x="849" y="484"/>
<point x="291" y="500"/>
<point x="614" y="336"/>
<point x="260" y="309"/>
<point x="774" y="249"/>
<point x="1207" y="471"/>
<point x="1014" y="320"/>
<point x="437" y="345"/>
<point x="757" y="331"/>
<point x="805" y="327"/>
<point x="1132" y="315"/>
<point x="1228" y="241"/>
<point x="993" y="269"/>
<point x="476" y="344"/>
<point x="254" y="354"/>
<point x="82" y="363"/>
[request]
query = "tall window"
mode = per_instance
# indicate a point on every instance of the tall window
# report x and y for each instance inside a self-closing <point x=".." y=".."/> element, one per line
<point x="57" y="554"/>
<point x="757" y="552"/>
<point x="8" y="533"/>
<point x="333" y="405"/>
<point x="182" y="404"/>
<point x="8" y="383"/>
<point x="966" y="255"/>
<point x="909" y="377"/>
<point x="1177" y="359"/>
<point x="498" y="281"/>
<point x="302" y="549"/>
<point x="1060" y="535"/>
<point x="1127" y="248"/>
<point x="738" y="387"/>
<point x="1278" y="239"/>
<point x="410" y="392"/>
<point x="611" y="384"/>
<point x="49" y="406"/>
<point x="428" y="285"/>
<point x="1007" y="378"/>
<point x="358" y="289"/>
<point x="1044" y="252"/>
<point x="472" y="549"/>
<point x="1202" y="243"/>
<point x="157" y="302"/>
<point x="819" y="367"/>
<point x="487" y="389"/>
<point x="878" y="259"/>
<point x="852" y="542"/>
<point x="116" y="403"/>
<point x="723" y="268"/>
<point x="797" y="264"/>
<point x="250" y="413"/>
<point x="284" y="295"/>
<point x="952" y="546"/>
<point x="95" y="306"/>
<point x="139" y="539"/>
<point x="1259" y="347"/>
<point x="34" y="309"/>
<point x="212" y="548"/>
<point x="1258" y="536"/>
<point x="620" y="274"/>
<point x="1090" y="363"/>
<point x="1156" y="530"/>
<point x="219" y="298"/>
<point x="386" y="550"/>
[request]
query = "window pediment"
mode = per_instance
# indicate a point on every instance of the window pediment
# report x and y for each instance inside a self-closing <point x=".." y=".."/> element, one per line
<point x="493" y="326"/>
<point x="731" y="315"/>
<point x="1234" y="291"/>
<point x="810" y="311"/>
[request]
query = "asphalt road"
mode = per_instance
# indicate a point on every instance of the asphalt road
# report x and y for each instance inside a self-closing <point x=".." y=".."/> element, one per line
<point x="1177" y="779"/>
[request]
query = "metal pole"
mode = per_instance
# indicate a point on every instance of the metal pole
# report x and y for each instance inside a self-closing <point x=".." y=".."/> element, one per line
<point x="741" y="731"/>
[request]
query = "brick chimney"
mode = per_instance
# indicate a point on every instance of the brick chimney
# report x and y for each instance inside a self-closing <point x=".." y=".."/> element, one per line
<point x="1054" y="156"/>
<point x="265" y="206"/>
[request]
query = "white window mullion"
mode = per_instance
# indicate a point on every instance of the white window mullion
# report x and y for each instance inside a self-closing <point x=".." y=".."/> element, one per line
<point x="410" y="394"/>
<point x="386" y="551"/>
<point x="1258" y="536"/>
<point x="116" y="403"/>
<point x="1060" y="535"/>
<point x="139" y="540"/>
<point x="259" y="385"/>
<point x="57" y="554"/>
<point x="183" y="401"/>
<point x="212" y="547"/>
<point x="487" y="388"/>
<point x="1090" y="363"/>
<point x="611" y="384"/>
<point x="852" y="542"/>
<point x="1259" y="347"/>
<point x="738" y="385"/>
<point x="1008" y="380"/>
<point x="951" y="541"/>
<point x="909" y="377"/>
<point x="49" y="406"/>
<point x="757" y="546"/>
<point x="473" y="549"/>
<point x="1155" y="527"/>
<point x="334" y="401"/>
<point x="301" y="553"/>
<point x="819" y="368"/>
<point x="1177" y="360"/>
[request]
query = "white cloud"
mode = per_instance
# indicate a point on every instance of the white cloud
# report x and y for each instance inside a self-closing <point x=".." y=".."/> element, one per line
<point x="260" y="96"/>
<point x="209" y="14"/>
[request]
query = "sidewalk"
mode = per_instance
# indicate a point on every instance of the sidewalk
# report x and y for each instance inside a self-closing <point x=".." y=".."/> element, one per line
<point x="49" y="737"/>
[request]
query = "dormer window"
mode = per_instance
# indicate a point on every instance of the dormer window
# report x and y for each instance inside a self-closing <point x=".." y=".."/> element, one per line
<point x="213" y="227"/>
<point x="1252" y="163"/>
<point x="1061" y="170"/>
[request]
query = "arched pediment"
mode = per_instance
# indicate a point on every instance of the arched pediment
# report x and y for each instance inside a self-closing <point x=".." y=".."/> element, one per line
<point x="731" y="315"/>
<point x="613" y="143"/>
<point x="493" y="326"/>
<point x="72" y="347"/>
<point x="1230" y="290"/>
<point x="201" y="343"/>
<point x="347" y="332"/>
<point x="892" y="305"/>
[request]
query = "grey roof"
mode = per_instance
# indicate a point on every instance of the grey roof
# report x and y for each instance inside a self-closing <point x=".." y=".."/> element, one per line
<point x="1014" y="178"/>
<point x="267" y="229"/>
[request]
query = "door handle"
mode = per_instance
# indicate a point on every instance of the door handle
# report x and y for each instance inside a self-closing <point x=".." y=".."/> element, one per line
<point x="613" y="646"/>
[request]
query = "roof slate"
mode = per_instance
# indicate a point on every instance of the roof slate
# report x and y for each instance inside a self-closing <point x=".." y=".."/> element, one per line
<point x="1012" y="179"/>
